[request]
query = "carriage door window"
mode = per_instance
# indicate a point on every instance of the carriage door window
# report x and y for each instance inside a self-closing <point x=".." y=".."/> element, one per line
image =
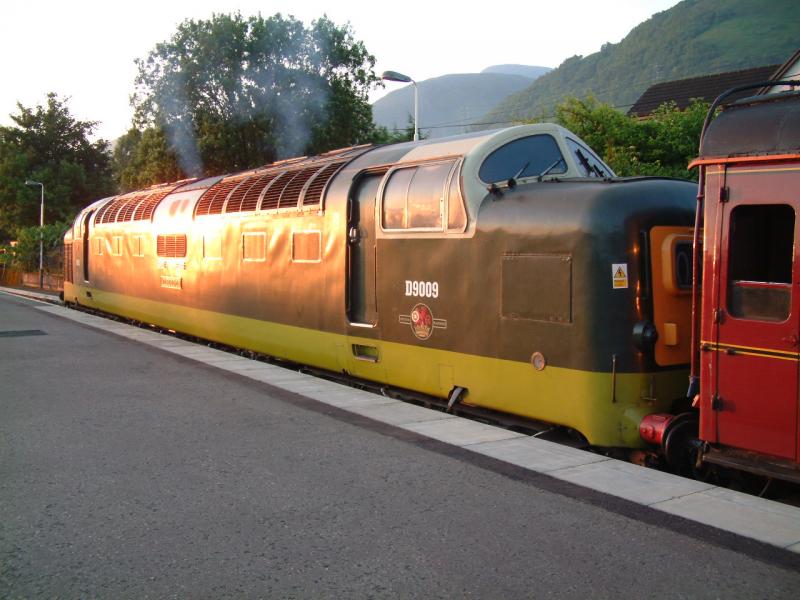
<point x="760" y="261"/>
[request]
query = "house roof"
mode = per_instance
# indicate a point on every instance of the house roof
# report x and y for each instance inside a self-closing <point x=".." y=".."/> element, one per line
<point x="707" y="87"/>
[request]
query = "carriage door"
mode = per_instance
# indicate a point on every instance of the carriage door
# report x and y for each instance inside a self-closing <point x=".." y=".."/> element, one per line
<point x="361" y="305"/>
<point x="755" y="399"/>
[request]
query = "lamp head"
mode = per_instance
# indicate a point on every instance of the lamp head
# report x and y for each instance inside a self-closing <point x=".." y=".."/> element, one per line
<point x="395" y="76"/>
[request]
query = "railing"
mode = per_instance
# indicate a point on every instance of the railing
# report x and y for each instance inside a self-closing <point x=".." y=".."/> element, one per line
<point x="16" y="278"/>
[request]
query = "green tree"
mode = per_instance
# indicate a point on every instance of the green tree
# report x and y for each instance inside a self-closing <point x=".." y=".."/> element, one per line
<point x="661" y="145"/>
<point x="49" y="145"/>
<point x="142" y="158"/>
<point x="26" y="252"/>
<point x="231" y="93"/>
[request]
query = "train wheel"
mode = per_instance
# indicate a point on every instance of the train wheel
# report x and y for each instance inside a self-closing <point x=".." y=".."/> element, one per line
<point x="681" y="445"/>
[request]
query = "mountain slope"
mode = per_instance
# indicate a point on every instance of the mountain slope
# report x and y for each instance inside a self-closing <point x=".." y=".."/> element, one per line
<point x="695" y="37"/>
<point x="448" y="101"/>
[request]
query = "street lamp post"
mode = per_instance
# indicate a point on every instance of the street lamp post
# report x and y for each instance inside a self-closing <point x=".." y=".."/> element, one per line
<point x="395" y="76"/>
<point x="41" y="233"/>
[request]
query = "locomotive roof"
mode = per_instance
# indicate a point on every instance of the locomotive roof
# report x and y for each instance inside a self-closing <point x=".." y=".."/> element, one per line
<point x="180" y="200"/>
<point x="767" y="124"/>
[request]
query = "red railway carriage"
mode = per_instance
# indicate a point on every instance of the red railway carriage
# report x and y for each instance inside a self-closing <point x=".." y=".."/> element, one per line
<point x="750" y="312"/>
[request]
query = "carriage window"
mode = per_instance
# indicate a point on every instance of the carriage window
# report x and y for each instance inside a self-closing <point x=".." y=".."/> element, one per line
<point x="761" y="249"/>
<point x="413" y="197"/>
<point x="525" y="157"/>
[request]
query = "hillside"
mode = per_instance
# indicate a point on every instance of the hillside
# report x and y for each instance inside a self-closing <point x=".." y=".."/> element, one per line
<point x="524" y="70"/>
<point x="446" y="102"/>
<point x="695" y="37"/>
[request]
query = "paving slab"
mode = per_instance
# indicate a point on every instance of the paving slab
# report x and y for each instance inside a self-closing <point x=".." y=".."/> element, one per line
<point x="398" y="413"/>
<point x="348" y="397"/>
<point x="461" y="432"/>
<point x="629" y="481"/>
<point x="746" y="515"/>
<point x="535" y="454"/>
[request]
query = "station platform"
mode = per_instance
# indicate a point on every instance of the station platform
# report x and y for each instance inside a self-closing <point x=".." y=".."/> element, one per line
<point x="133" y="463"/>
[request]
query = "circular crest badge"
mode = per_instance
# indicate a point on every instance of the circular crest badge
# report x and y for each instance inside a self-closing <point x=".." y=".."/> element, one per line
<point x="421" y="321"/>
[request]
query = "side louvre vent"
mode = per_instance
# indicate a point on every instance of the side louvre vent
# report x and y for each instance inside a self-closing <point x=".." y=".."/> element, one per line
<point x="68" y="263"/>
<point x="171" y="245"/>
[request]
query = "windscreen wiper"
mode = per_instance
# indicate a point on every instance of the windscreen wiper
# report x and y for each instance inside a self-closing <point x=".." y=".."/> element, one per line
<point x="548" y="169"/>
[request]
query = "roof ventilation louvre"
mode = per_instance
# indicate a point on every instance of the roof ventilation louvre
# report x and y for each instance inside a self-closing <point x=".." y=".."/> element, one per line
<point x="314" y="191"/>
<point x="272" y="197"/>
<point x="290" y="196"/>
<point x="245" y="197"/>
<point x="213" y="200"/>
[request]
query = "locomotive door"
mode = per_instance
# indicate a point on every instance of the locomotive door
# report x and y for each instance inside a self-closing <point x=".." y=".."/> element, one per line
<point x="361" y="251"/>
<point x="86" y="244"/>
<point x="755" y="386"/>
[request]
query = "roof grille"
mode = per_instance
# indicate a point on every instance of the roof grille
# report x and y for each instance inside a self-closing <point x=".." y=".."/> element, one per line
<point x="272" y="197"/>
<point x="290" y="197"/>
<point x="135" y="206"/>
<point x="213" y="200"/>
<point x="245" y="197"/>
<point x="145" y="209"/>
<point x="108" y="213"/>
<point x="284" y="184"/>
<point x="314" y="191"/>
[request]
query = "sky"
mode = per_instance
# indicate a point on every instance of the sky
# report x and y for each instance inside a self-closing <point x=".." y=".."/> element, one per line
<point x="85" y="50"/>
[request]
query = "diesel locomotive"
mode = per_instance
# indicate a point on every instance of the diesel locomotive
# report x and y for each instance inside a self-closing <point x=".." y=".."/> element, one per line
<point x="509" y="270"/>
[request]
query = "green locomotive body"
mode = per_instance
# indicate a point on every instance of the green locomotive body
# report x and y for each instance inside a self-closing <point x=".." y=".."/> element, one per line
<point x="511" y="267"/>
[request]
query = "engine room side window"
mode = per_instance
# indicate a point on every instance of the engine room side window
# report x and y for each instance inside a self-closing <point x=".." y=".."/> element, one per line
<point x="254" y="246"/>
<point x="414" y="197"/>
<point x="525" y="157"/>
